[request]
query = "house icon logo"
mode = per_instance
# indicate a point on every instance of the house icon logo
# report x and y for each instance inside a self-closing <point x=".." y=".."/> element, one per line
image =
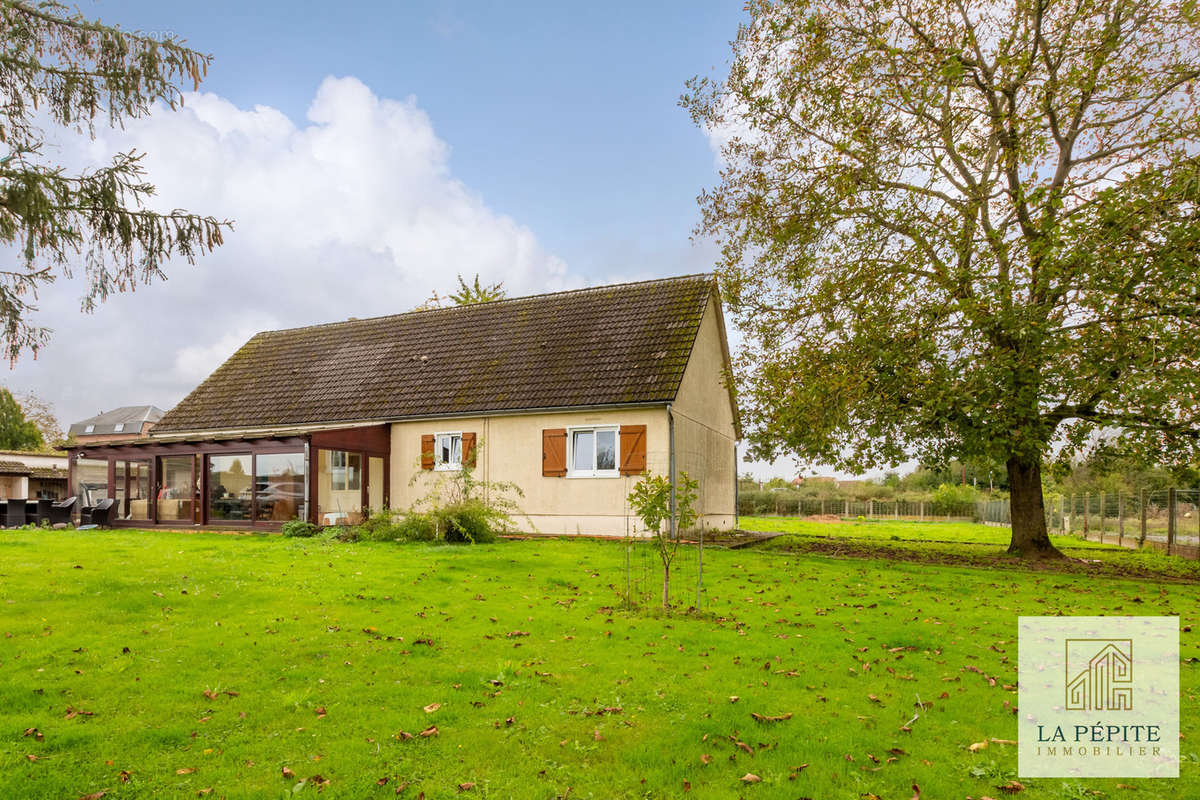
<point x="1099" y="675"/>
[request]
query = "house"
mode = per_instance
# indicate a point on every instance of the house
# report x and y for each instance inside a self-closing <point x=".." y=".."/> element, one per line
<point x="570" y="396"/>
<point x="33" y="475"/>
<point x="116" y="425"/>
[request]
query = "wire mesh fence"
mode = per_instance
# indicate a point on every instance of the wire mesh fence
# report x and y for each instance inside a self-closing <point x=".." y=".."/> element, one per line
<point x="783" y="504"/>
<point x="648" y="586"/>
<point x="1163" y="519"/>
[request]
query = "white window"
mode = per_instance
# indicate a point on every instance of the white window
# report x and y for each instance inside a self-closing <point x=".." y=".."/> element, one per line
<point x="120" y="426"/>
<point x="447" y="451"/>
<point x="345" y="470"/>
<point x="592" y="452"/>
<point x="89" y="428"/>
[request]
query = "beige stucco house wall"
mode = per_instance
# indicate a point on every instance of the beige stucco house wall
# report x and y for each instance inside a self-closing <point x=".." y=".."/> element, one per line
<point x="510" y="450"/>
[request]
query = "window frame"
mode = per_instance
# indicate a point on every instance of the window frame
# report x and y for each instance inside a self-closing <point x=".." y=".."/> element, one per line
<point x="89" y="428"/>
<point x="615" y="472"/>
<point x="119" y="427"/>
<point x="447" y="466"/>
<point x="334" y="467"/>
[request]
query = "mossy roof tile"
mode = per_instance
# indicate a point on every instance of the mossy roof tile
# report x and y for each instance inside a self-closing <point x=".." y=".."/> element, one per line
<point x="627" y="343"/>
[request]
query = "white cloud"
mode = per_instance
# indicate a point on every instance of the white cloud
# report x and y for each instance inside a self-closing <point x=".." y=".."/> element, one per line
<point x="354" y="213"/>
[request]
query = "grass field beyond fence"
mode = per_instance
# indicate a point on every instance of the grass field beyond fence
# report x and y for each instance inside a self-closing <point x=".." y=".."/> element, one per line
<point x="154" y="664"/>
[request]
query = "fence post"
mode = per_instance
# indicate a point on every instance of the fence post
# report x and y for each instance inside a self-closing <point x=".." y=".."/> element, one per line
<point x="871" y="508"/>
<point x="1121" y="520"/>
<point x="1086" y="508"/>
<point x="1102" y="517"/>
<point x="1171" y="503"/>
<point x="1069" y="516"/>
<point x="822" y="506"/>
<point x="1142" y="514"/>
<point x="897" y="515"/>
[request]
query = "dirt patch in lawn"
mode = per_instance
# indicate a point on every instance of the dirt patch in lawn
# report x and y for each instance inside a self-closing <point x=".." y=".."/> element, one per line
<point x="848" y="548"/>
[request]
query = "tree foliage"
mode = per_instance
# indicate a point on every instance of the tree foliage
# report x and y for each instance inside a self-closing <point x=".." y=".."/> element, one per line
<point x="961" y="230"/>
<point x="656" y="502"/>
<point x="41" y="413"/>
<point x="477" y="292"/>
<point x="60" y="67"/>
<point x="16" y="432"/>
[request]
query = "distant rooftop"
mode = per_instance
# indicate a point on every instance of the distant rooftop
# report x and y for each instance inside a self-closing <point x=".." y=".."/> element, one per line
<point x="126" y="419"/>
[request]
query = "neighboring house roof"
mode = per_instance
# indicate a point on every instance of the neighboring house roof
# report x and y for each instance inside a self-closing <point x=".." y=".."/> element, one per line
<point x="129" y="418"/>
<point x="46" y="473"/>
<point x="620" y="344"/>
<point x="13" y="468"/>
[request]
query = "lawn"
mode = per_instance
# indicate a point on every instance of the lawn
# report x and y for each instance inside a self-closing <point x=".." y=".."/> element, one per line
<point x="164" y="664"/>
<point x="946" y="532"/>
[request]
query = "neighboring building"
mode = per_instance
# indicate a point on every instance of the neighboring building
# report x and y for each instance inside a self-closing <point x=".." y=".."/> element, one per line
<point x="569" y="396"/>
<point x="29" y="475"/>
<point x="116" y="425"/>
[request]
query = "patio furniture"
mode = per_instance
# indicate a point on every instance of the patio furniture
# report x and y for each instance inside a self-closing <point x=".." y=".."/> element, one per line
<point x="40" y="510"/>
<point x="14" y="516"/>
<point x="100" y="514"/>
<point x="60" y="512"/>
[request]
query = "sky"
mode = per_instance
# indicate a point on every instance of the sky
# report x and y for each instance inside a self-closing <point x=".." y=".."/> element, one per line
<point x="369" y="152"/>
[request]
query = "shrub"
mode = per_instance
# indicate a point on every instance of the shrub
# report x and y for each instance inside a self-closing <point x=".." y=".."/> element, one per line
<point x="299" y="528"/>
<point x="470" y="521"/>
<point x="380" y="527"/>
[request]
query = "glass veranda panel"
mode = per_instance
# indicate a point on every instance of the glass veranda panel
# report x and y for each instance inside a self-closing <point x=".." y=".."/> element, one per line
<point x="279" y="486"/>
<point x="229" y="488"/>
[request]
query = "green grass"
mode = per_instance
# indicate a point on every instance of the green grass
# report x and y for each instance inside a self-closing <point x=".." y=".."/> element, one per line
<point x="954" y="532"/>
<point x="135" y="627"/>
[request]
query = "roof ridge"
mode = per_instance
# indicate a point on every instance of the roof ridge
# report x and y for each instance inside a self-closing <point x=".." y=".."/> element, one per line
<point x="490" y="303"/>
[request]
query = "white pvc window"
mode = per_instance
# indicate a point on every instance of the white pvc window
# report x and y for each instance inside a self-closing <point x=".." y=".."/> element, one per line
<point x="345" y="471"/>
<point x="447" y="451"/>
<point x="592" y="452"/>
<point x="89" y="428"/>
<point x="120" y="426"/>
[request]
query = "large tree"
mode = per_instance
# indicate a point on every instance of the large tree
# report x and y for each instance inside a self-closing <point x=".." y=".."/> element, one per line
<point x="59" y="68"/>
<point x="961" y="230"/>
<point x="16" y="431"/>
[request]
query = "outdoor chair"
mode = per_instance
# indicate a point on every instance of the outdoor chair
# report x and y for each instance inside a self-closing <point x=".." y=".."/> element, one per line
<point x="42" y="513"/>
<point x="14" y="516"/>
<point x="60" y="512"/>
<point x="100" y="514"/>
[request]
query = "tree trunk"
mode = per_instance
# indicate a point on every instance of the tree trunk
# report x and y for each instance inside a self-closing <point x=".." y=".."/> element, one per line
<point x="666" y="586"/>
<point x="1029" y="537"/>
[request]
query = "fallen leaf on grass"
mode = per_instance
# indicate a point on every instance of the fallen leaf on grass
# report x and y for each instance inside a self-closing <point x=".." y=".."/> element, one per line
<point x="1012" y="787"/>
<point x="1126" y="786"/>
<point x="430" y="731"/>
<point x="185" y="771"/>
<point x="94" y="795"/>
<point x="320" y="711"/>
<point x="319" y="780"/>
<point x="35" y="733"/>
<point x="432" y="707"/>
<point x="750" y="777"/>
<point x="916" y="792"/>
<point x="31" y="757"/>
<point x="705" y="758"/>
<point x="287" y="773"/>
<point x="466" y="787"/>
<point x="977" y="746"/>
<point x="124" y="775"/>
<point x="763" y="718"/>
<point x="1003" y="741"/>
<point x="733" y="698"/>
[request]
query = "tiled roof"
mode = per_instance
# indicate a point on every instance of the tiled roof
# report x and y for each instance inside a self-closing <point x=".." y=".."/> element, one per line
<point x="130" y="418"/>
<point x="627" y="343"/>
<point x="8" y="467"/>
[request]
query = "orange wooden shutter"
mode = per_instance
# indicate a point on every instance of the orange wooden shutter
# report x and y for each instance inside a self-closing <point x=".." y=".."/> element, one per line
<point x="427" y="451"/>
<point x="468" y="450"/>
<point x="554" y="452"/>
<point x="633" y="449"/>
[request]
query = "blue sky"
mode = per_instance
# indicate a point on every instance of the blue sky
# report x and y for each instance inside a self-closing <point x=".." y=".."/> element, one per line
<point x="367" y="152"/>
<point x="561" y="114"/>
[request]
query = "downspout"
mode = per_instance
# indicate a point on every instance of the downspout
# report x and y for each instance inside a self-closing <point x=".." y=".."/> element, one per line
<point x="736" y="488"/>
<point x="671" y="466"/>
<point x="309" y="515"/>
